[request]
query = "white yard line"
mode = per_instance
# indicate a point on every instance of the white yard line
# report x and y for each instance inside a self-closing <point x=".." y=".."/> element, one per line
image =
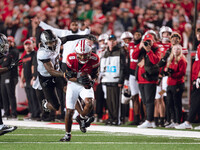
<point x="110" y="129"/>
<point x="127" y="143"/>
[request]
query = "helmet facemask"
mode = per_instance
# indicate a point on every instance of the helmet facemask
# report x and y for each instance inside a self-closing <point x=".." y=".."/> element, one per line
<point x="83" y="51"/>
<point x="83" y="58"/>
<point x="51" y="45"/>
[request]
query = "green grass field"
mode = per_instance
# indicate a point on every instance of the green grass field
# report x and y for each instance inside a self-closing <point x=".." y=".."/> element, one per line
<point x="48" y="139"/>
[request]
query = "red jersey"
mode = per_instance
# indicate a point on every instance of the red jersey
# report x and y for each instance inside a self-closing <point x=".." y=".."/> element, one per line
<point x="153" y="57"/>
<point x="195" y="70"/>
<point x="133" y="62"/>
<point x="179" y="72"/>
<point x="163" y="48"/>
<point x="93" y="62"/>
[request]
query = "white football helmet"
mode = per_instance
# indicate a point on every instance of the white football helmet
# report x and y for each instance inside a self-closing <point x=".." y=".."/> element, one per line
<point x="126" y="35"/>
<point x="83" y="51"/>
<point x="105" y="38"/>
<point x="152" y="32"/>
<point x="165" y="29"/>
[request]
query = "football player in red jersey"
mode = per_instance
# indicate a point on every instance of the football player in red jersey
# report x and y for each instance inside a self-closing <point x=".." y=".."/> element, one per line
<point x="165" y="46"/>
<point x="82" y="69"/>
<point x="132" y="66"/>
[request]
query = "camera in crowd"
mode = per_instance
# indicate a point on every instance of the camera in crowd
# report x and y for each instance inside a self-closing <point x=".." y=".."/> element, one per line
<point x="147" y="39"/>
<point x="167" y="73"/>
<point x="147" y="43"/>
<point x="171" y="71"/>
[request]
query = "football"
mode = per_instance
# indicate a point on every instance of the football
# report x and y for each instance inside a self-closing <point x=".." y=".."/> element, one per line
<point x="89" y="77"/>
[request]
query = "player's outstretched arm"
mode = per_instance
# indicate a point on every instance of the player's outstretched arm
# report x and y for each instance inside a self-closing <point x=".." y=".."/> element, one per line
<point x="75" y="37"/>
<point x="43" y="25"/>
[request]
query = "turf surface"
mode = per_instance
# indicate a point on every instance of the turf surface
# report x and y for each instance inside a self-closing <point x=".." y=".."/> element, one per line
<point x="48" y="139"/>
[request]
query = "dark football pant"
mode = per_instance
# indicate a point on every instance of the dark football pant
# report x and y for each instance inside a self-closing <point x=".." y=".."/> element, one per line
<point x="174" y="98"/>
<point x="113" y="102"/>
<point x="8" y="96"/>
<point x="148" y="92"/>
<point x="49" y="88"/>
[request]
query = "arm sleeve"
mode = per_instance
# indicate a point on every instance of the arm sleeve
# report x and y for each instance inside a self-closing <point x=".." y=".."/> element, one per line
<point x="58" y="32"/>
<point x="71" y="38"/>
<point x="44" y="60"/>
<point x="154" y="57"/>
<point x="181" y="71"/>
<point x="34" y="63"/>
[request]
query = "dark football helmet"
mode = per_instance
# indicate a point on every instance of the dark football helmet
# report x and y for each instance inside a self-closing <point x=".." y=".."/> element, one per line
<point x="49" y="40"/>
<point x="4" y="46"/>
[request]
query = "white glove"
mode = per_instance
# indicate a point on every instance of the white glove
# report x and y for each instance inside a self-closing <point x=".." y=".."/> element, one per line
<point x="197" y="82"/>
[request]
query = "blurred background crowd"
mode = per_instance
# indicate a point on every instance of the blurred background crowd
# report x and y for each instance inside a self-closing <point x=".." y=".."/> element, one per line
<point x="101" y="16"/>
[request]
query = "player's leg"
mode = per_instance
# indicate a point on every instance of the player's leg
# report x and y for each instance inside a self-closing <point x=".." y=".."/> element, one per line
<point x="135" y="99"/>
<point x="72" y="94"/>
<point x="156" y="106"/>
<point x="49" y="89"/>
<point x="5" y="129"/>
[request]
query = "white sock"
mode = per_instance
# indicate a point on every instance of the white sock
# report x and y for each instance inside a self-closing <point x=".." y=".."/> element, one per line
<point x="67" y="133"/>
<point x="45" y="105"/>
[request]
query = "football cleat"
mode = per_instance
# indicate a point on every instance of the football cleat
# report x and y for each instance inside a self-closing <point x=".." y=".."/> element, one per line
<point x="89" y="121"/>
<point x="66" y="138"/>
<point x="6" y="129"/>
<point x="81" y="122"/>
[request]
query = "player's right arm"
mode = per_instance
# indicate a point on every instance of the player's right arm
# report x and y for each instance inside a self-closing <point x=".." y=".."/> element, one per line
<point x="43" y="25"/>
<point x="50" y="68"/>
<point x="75" y="37"/>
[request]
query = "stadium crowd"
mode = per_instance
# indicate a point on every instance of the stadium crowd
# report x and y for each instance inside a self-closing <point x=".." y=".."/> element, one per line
<point x="142" y="46"/>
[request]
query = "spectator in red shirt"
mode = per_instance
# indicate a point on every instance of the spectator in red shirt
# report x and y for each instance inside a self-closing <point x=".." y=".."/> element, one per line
<point x="176" y="68"/>
<point x="147" y="75"/>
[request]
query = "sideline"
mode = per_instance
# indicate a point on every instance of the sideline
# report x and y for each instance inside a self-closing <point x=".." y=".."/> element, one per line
<point x="130" y="130"/>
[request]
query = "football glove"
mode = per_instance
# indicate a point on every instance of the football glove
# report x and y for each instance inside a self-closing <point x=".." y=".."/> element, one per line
<point x="69" y="74"/>
<point x="84" y="80"/>
<point x="15" y="64"/>
<point x="171" y="71"/>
